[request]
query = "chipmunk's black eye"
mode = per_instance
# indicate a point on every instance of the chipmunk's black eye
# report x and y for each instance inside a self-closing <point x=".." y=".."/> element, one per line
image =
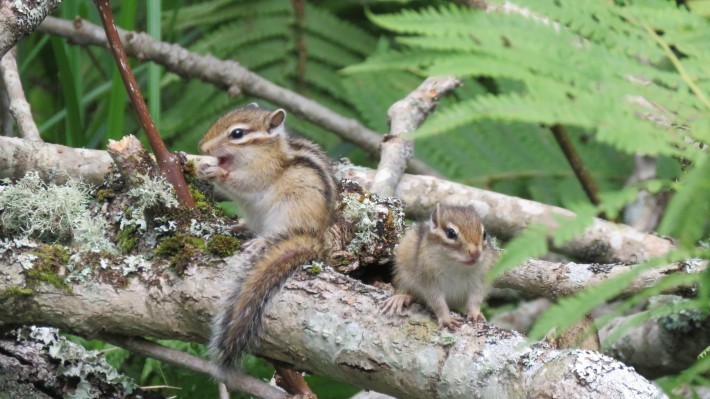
<point x="236" y="133"/>
<point x="485" y="235"/>
<point x="451" y="234"/>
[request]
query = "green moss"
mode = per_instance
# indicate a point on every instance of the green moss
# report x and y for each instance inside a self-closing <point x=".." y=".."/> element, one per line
<point x="222" y="245"/>
<point x="201" y="201"/>
<point x="127" y="239"/>
<point x="15" y="292"/>
<point x="314" y="269"/>
<point x="190" y="169"/>
<point x="104" y="194"/>
<point x="50" y="261"/>
<point x="180" y="249"/>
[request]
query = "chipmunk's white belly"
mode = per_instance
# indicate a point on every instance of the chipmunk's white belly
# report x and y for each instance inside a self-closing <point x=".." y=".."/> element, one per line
<point x="459" y="283"/>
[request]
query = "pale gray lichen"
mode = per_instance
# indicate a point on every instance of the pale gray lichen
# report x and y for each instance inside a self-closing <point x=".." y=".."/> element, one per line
<point x="80" y="272"/>
<point x="152" y="191"/>
<point x="51" y="212"/>
<point x="208" y="228"/>
<point x="134" y="264"/>
<point x="76" y="362"/>
<point x="367" y="212"/>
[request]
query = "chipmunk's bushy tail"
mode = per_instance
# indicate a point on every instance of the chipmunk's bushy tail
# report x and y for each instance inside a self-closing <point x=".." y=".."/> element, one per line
<point x="237" y="325"/>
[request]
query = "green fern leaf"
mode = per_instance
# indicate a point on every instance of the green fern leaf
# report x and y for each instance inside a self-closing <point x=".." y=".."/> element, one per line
<point x="532" y="242"/>
<point x="688" y="213"/>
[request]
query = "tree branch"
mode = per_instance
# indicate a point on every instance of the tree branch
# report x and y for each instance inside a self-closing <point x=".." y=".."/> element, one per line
<point x="405" y="116"/>
<point x="507" y="216"/>
<point x="553" y="280"/>
<point x="235" y="380"/>
<point x="329" y="325"/>
<point x="660" y="345"/>
<point x="226" y="75"/>
<point x="19" y="18"/>
<point x="575" y="161"/>
<point x="19" y="107"/>
<point x="503" y="215"/>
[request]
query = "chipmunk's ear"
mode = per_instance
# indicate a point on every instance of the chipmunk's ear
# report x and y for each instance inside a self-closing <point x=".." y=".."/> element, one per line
<point x="276" y="119"/>
<point x="252" y="105"/>
<point x="435" y="217"/>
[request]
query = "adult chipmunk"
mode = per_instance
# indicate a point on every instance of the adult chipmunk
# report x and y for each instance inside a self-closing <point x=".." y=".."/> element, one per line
<point x="287" y="191"/>
<point x="443" y="263"/>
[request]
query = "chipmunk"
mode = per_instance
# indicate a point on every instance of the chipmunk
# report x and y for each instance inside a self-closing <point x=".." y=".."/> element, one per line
<point x="443" y="263"/>
<point x="287" y="190"/>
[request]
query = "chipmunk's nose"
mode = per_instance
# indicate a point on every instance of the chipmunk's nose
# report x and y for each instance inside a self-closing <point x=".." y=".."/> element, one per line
<point x="474" y="254"/>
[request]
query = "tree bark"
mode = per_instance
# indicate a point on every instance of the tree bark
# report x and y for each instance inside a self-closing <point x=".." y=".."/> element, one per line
<point x="506" y="216"/>
<point x="19" y="18"/>
<point x="328" y="324"/>
<point x="503" y="215"/>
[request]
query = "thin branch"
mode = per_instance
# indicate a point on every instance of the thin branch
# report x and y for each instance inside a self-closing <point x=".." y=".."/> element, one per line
<point x="226" y="75"/>
<point x="6" y="119"/>
<point x="405" y="116"/>
<point x="19" y="107"/>
<point x="575" y="161"/>
<point x="299" y="8"/>
<point x="168" y="163"/>
<point x="234" y="381"/>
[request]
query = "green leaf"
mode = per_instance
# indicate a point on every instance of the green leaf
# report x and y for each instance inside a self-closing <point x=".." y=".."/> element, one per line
<point x="532" y="242"/>
<point x="688" y="212"/>
<point x="73" y="128"/>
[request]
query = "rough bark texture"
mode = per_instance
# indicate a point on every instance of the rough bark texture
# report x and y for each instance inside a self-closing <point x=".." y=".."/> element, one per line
<point x="506" y="216"/>
<point x="224" y="74"/>
<point x="502" y="214"/>
<point x="54" y="163"/>
<point x="18" y="18"/>
<point x="329" y="324"/>
<point x="661" y="345"/>
<point x="540" y="278"/>
<point x="46" y="366"/>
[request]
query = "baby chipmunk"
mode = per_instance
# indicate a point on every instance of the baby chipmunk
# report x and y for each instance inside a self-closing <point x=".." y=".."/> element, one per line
<point x="287" y="191"/>
<point x="443" y="263"/>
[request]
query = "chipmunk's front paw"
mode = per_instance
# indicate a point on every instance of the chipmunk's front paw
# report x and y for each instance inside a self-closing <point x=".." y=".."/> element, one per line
<point x="396" y="304"/>
<point x="211" y="172"/>
<point x="451" y="323"/>
<point x="476" y="318"/>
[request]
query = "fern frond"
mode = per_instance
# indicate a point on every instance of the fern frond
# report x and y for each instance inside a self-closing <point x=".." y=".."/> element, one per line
<point x="569" y="228"/>
<point x="531" y="243"/>
<point x="329" y="53"/>
<point x="688" y="213"/>
<point x="338" y="31"/>
<point x="235" y="35"/>
<point x="226" y="11"/>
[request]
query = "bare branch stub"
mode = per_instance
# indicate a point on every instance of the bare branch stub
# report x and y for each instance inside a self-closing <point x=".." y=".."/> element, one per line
<point x="168" y="163"/>
<point x="405" y="116"/>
